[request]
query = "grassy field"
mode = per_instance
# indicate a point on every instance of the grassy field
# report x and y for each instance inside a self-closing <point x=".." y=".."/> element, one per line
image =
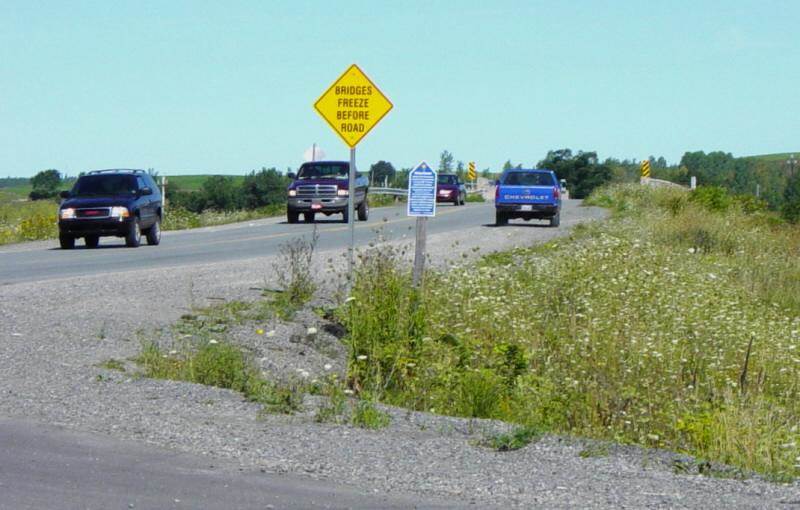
<point x="670" y="326"/>
<point x="193" y="182"/>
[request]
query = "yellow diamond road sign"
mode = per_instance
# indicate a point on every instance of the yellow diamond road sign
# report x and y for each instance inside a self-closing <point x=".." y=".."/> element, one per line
<point x="353" y="105"/>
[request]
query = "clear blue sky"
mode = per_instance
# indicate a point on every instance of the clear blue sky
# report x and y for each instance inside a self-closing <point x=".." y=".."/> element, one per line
<point x="226" y="87"/>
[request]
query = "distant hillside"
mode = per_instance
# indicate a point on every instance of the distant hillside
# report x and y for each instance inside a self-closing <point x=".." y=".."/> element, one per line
<point x="775" y="157"/>
<point x="13" y="182"/>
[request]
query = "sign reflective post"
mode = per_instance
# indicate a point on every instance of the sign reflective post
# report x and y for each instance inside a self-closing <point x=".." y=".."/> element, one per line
<point x="422" y="204"/>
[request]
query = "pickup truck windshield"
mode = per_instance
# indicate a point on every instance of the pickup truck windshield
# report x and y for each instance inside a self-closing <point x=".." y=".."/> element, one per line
<point x="323" y="171"/>
<point x="105" y="185"/>
<point x="446" y="179"/>
<point x="528" y="179"/>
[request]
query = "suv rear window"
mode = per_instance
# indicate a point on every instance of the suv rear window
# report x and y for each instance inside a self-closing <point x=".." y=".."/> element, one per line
<point x="323" y="171"/>
<point x="89" y="185"/>
<point x="528" y="179"/>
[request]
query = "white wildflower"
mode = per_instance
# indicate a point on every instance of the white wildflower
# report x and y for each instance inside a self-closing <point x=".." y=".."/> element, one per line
<point x="327" y="366"/>
<point x="212" y="341"/>
<point x="311" y="331"/>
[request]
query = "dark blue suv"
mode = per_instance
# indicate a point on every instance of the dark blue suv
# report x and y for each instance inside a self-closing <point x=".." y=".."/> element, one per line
<point x="120" y="202"/>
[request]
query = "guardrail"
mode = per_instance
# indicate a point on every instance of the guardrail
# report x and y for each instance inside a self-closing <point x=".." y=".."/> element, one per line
<point x="398" y="192"/>
<point x="401" y="192"/>
<point x="649" y="181"/>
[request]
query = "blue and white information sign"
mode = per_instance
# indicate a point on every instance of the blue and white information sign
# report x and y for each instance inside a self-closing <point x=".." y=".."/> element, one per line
<point x="422" y="191"/>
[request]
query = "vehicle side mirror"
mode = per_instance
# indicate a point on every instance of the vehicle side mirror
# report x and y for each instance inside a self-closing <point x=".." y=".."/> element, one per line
<point x="145" y="191"/>
<point x="492" y="183"/>
<point x="291" y="175"/>
<point x="64" y="194"/>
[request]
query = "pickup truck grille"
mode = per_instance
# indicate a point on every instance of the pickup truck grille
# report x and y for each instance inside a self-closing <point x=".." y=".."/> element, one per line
<point x="316" y="190"/>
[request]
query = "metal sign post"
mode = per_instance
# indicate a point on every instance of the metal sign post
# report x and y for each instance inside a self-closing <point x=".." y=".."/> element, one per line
<point x="351" y="224"/>
<point x="422" y="204"/>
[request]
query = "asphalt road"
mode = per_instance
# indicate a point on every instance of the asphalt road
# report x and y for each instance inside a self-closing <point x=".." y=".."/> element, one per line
<point x="48" y="467"/>
<point x="44" y="260"/>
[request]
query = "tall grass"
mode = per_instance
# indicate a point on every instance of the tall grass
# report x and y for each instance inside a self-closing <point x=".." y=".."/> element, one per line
<point x="671" y="326"/>
<point x="23" y="220"/>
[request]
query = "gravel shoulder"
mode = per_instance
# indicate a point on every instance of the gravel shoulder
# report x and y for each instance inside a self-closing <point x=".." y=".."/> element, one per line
<point x="53" y="336"/>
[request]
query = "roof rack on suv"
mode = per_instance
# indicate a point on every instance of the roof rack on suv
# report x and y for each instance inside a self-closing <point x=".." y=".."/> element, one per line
<point x="117" y="170"/>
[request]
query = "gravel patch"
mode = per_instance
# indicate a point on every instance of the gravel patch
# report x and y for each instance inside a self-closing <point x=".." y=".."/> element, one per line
<point x="54" y="335"/>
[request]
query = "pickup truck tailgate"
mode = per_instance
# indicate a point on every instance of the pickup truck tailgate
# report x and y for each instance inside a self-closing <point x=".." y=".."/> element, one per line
<point x="536" y="195"/>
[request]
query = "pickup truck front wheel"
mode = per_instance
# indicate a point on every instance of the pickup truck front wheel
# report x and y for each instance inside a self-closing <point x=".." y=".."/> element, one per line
<point x="500" y="218"/>
<point x="363" y="211"/>
<point x="292" y="216"/>
<point x="555" y="220"/>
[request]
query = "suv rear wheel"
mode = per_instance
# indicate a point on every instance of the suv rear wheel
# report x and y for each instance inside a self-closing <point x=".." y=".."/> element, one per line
<point x="134" y="236"/>
<point x="154" y="234"/>
<point x="67" y="242"/>
<point x="555" y="220"/>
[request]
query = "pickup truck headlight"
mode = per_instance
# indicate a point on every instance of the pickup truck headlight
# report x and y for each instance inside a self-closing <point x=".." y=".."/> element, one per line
<point x="343" y="192"/>
<point x="67" y="214"/>
<point x="120" y="212"/>
<point x="292" y="192"/>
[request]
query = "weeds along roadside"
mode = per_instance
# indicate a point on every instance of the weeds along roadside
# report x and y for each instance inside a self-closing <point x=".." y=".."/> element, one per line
<point x="199" y="348"/>
<point x="674" y="325"/>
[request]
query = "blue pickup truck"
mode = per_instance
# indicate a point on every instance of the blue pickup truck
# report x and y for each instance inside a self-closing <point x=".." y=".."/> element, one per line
<point x="527" y="194"/>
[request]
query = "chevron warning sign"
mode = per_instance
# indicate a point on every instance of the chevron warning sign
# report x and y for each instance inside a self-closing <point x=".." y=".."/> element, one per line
<point x="646" y="168"/>
<point x="471" y="175"/>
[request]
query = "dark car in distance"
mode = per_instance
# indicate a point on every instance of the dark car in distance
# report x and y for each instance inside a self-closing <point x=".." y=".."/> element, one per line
<point x="449" y="188"/>
<point x="322" y="187"/>
<point x="118" y="202"/>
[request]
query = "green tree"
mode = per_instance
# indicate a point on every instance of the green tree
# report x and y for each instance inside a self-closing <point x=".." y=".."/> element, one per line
<point x="45" y="184"/>
<point x="582" y="171"/>
<point x="446" y="162"/>
<point x="381" y="172"/>
<point x="262" y="188"/>
<point x="791" y="200"/>
<point x="221" y="193"/>
<point x="461" y="172"/>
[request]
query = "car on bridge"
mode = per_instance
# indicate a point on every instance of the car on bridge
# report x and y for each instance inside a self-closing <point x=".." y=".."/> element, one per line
<point x="117" y="202"/>
<point x="528" y="194"/>
<point x="450" y="188"/>
<point x="323" y="187"/>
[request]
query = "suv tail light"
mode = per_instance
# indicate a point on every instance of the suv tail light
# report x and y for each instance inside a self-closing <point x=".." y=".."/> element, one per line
<point x="556" y="192"/>
<point x="496" y="192"/>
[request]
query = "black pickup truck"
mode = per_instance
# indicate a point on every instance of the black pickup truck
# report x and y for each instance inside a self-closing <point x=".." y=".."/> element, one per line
<point x="322" y="187"/>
